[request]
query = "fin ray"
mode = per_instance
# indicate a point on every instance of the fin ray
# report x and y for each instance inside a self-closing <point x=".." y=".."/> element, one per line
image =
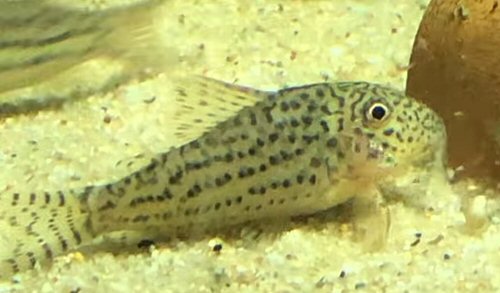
<point x="201" y="103"/>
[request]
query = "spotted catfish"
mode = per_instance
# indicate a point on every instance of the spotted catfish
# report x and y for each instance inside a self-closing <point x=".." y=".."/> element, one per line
<point x="249" y="155"/>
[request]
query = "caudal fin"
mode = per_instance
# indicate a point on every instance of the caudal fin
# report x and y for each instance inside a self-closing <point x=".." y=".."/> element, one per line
<point x="46" y="51"/>
<point x="36" y="227"/>
<point x="135" y="36"/>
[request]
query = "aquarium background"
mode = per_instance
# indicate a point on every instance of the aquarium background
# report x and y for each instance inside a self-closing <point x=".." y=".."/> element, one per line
<point x="266" y="45"/>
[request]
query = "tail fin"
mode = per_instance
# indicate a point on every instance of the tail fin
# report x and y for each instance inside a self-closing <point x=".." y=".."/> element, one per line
<point x="45" y="40"/>
<point x="36" y="227"/>
<point x="135" y="36"/>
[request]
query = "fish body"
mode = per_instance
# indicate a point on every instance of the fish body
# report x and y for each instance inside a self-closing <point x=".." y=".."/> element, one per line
<point x="292" y="152"/>
<point x="40" y="40"/>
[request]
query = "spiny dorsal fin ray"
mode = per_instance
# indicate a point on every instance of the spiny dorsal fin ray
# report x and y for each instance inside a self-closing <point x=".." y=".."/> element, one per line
<point x="201" y="103"/>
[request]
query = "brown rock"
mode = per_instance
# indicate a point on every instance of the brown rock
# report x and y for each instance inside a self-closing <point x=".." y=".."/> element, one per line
<point x="455" y="69"/>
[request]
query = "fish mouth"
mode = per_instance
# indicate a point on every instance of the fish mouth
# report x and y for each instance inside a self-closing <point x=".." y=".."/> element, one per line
<point x="413" y="182"/>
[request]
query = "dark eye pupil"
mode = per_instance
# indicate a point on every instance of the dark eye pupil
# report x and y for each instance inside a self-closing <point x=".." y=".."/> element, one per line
<point x="378" y="112"/>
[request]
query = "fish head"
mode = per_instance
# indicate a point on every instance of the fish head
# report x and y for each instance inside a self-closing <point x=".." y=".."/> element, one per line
<point x="392" y="140"/>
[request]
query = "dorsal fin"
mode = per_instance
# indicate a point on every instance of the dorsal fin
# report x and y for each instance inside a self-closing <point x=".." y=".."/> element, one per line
<point x="201" y="103"/>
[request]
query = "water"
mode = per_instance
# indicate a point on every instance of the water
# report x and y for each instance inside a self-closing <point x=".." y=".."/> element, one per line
<point x="266" y="45"/>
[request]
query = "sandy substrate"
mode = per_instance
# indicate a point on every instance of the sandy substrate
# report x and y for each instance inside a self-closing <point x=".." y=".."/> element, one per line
<point x="268" y="45"/>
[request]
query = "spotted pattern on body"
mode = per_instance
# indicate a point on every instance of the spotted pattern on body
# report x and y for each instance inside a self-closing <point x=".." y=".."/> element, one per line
<point x="259" y="155"/>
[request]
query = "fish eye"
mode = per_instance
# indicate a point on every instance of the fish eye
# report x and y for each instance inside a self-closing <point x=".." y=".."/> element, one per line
<point x="377" y="112"/>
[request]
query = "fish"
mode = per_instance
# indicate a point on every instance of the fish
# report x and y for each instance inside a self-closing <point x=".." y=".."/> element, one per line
<point x="40" y="40"/>
<point x="247" y="155"/>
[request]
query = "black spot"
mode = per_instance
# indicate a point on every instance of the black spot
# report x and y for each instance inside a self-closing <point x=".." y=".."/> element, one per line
<point x="239" y="199"/>
<point x="312" y="106"/>
<point x="175" y="179"/>
<point x="211" y="141"/>
<point x="32" y="258"/>
<point x="229" y="157"/>
<point x="312" y="179"/>
<point x="217" y="248"/>
<point x="273" y="137"/>
<point x="48" y="251"/>
<point x="307" y="120"/>
<point x="286" y="183"/>
<point x="267" y="113"/>
<point x="262" y="168"/>
<point x="243" y="172"/>
<point x="32" y="198"/>
<point x="299" y="152"/>
<point x="274" y="160"/>
<point x="310" y="138"/>
<point x="271" y="97"/>
<point x="251" y="151"/>
<point x="315" y="162"/>
<point x="325" y="126"/>
<point x="15" y="198"/>
<point x="358" y="131"/>
<point x="140" y="218"/>
<point x="399" y="136"/>
<point x="145" y="243"/>
<point x="152" y="166"/>
<point x="300" y="179"/>
<point x="286" y="156"/>
<point x="252" y="190"/>
<point x="304" y="96"/>
<point x="284" y="106"/>
<point x="325" y="110"/>
<point x="230" y="139"/>
<point x="295" y="105"/>
<point x="320" y="93"/>
<point x="291" y="138"/>
<point x="260" y="142"/>
<point x="218" y="181"/>
<point x="294" y="122"/>
<point x="197" y="165"/>
<point x="340" y="123"/>
<point x="194" y="144"/>
<point x="253" y="119"/>
<point x="237" y="121"/>
<point x="250" y="171"/>
<point x="217" y="206"/>
<point x="332" y="142"/>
